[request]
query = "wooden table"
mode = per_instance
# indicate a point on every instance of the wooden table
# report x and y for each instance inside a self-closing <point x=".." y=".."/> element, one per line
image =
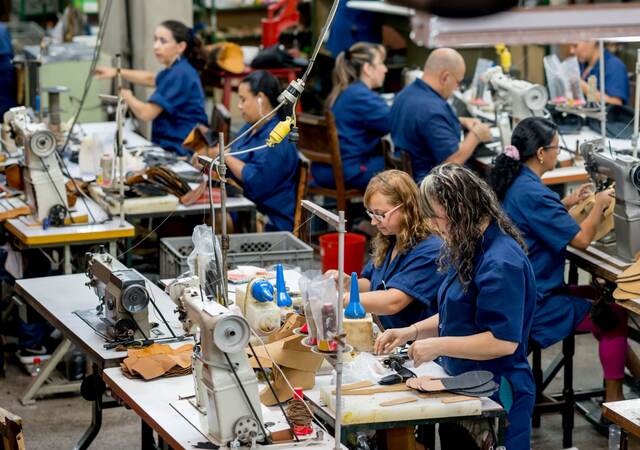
<point x="625" y="414"/>
<point x="56" y="298"/>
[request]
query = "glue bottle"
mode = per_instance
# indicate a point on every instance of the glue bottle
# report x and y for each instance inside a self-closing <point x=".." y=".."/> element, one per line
<point x="354" y="309"/>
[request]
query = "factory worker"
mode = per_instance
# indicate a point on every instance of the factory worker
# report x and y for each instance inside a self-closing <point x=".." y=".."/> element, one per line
<point x="177" y="104"/>
<point x="352" y="25"/>
<point x="616" y="78"/>
<point x="548" y="228"/>
<point x="401" y="281"/>
<point x="269" y="176"/>
<point x="361" y="115"/>
<point x="7" y="72"/>
<point x="424" y="124"/>
<point x="486" y="301"/>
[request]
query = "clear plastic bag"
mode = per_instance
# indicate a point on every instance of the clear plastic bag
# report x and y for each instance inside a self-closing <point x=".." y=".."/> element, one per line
<point x="557" y="84"/>
<point x="363" y="367"/>
<point x="304" y="282"/>
<point x="571" y="71"/>
<point x="323" y="299"/>
<point x="205" y="261"/>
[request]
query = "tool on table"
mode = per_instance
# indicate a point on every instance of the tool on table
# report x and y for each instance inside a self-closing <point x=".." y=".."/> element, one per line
<point x="476" y="383"/>
<point x="402" y="373"/>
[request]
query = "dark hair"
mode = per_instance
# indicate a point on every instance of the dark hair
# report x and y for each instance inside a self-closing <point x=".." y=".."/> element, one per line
<point x="468" y="204"/>
<point x="182" y="33"/>
<point x="262" y="81"/>
<point x="528" y="136"/>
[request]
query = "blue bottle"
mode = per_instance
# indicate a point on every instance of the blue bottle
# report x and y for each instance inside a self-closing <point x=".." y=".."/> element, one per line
<point x="283" y="300"/>
<point x="354" y="309"/>
<point x="262" y="291"/>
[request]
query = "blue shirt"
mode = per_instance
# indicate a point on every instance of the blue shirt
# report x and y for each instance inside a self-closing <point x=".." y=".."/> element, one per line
<point x="270" y="176"/>
<point x="353" y="25"/>
<point x="414" y="272"/>
<point x="7" y="72"/>
<point x="180" y="95"/>
<point x="616" y="77"/>
<point x="424" y="125"/>
<point x="501" y="298"/>
<point x="547" y="228"/>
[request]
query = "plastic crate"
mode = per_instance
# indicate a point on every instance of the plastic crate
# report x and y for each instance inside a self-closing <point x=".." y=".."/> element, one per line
<point x="255" y="249"/>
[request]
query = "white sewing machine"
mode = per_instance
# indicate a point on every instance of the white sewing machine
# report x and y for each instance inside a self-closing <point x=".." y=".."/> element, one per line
<point x="521" y="98"/>
<point x="43" y="179"/>
<point x="225" y="382"/>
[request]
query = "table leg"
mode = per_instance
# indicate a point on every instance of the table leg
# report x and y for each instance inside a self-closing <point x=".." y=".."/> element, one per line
<point x="67" y="260"/>
<point x="93" y="393"/>
<point x="568" y="350"/>
<point x="624" y="440"/>
<point x="146" y="434"/>
<point x="37" y="384"/>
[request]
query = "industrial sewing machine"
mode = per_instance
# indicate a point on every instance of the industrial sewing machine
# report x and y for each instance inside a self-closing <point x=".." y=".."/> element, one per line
<point x="520" y="98"/>
<point x="605" y="167"/>
<point x="43" y="179"/>
<point x="226" y="386"/>
<point x="123" y="295"/>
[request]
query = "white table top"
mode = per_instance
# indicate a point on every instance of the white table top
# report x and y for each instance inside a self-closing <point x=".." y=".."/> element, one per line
<point x="56" y="298"/>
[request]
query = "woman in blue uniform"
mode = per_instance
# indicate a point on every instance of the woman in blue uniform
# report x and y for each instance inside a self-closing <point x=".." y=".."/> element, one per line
<point x="548" y="228"/>
<point x="361" y="115"/>
<point x="177" y="105"/>
<point x="269" y="176"/>
<point x="616" y="78"/>
<point x="401" y="281"/>
<point x="487" y="300"/>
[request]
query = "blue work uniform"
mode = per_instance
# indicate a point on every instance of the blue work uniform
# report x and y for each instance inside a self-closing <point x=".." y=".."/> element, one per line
<point x="547" y="228"/>
<point x="616" y="78"/>
<point x="7" y="73"/>
<point x="353" y="25"/>
<point x="362" y="118"/>
<point x="180" y="95"/>
<point x="424" y="125"/>
<point x="414" y="272"/>
<point x="501" y="298"/>
<point x="270" y="176"/>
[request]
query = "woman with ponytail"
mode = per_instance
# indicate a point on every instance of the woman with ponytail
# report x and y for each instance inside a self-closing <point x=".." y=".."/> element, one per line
<point x="177" y="105"/>
<point x="361" y="115"/>
<point x="547" y="228"/>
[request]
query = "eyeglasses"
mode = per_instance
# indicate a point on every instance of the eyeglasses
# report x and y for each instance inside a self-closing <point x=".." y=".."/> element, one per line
<point x="381" y="217"/>
<point x="558" y="148"/>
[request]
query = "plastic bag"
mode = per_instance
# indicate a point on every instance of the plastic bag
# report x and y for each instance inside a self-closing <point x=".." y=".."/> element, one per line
<point x="205" y="261"/>
<point x="323" y="299"/>
<point x="571" y="71"/>
<point x="303" y="283"/>
<point x="363" y="367"/>
<point x="557" y="84"/>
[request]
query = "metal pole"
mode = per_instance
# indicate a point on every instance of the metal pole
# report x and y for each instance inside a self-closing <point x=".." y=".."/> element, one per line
<point x="119" y="137"/>
<point x="636" y="111"/>
<point x="223" y="210"/>
<point x="603" y="110"/>
<point x="338" y="422"/>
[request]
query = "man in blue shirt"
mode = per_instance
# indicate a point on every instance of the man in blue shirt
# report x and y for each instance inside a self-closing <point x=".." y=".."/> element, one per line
<point x="7" y="73"/>
<point x="616" y="79"/>
<point x="353" y="25"/>
<point x="424" y="124"/>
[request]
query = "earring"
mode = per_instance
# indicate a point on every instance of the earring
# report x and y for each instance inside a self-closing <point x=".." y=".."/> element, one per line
<point x="541" y="161"/>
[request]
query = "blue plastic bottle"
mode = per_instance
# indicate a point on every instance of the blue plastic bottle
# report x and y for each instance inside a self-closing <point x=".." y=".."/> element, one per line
<point x="354" y="309"/>
<point x="283" y="300"/>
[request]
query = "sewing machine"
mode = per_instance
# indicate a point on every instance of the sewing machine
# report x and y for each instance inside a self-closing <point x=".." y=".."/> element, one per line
<point x="604" y="167"/>
<point x="257" y="303"/>
<point x="521" y="98"/>
<point x="43" y="179"/>
<point x="123" y="296"/>
<point x="225" y="383"/>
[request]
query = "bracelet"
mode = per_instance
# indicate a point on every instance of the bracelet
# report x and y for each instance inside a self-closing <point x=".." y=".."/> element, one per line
<point x="414" y="326"/>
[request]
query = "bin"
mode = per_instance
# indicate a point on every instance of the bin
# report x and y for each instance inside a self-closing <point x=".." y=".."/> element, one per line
<point x="354" y="248"/>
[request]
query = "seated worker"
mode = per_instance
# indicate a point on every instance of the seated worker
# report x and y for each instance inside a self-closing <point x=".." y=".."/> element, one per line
<point x="548" y="228"/>
<point x="353" y="25"/>
<point x="401" y="281"/>
<point x="424" y="125"/>
<point x="268" y="176"/>
<point x="616" y="79"/>
<point x="361" y="115"/>
<point x="7" y="73"/>
<point x="177" y="105"/>
<point x="486" y="301"/>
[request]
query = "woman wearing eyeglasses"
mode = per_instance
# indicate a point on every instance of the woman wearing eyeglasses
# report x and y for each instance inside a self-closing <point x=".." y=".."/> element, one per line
<point x="401" y="281"/>
<point x="548" y="228"/>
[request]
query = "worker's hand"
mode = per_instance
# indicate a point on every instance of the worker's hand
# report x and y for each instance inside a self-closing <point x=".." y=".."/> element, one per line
<point x="482" y="132"/>
<point x="392" y="338"/>
<point x="126" y="94"/>
<point x="582" y="193"/>
<point x="211" y="152"/>
<point x="104" y="73"/>
<point x="424" y="350"/>
<point x="604" y="199"/>
<point x="468" y="122"/>
<point x="584" y="87"/>
<point x="346" y="282"/>
<point x="345" y="300"/>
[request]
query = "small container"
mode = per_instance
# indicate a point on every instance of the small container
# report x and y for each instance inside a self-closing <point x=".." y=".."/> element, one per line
<point x="105" y="177"/>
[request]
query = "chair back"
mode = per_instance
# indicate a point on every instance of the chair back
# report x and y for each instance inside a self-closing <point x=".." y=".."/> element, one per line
<point x="11" y="431"/>
<point x="304" y="174"/>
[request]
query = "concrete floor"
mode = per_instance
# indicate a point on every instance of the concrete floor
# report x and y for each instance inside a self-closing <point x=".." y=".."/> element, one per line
<point x="57" y="423"/>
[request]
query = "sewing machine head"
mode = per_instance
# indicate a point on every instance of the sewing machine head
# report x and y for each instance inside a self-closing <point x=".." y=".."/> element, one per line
<point x="123" y="296"/>
<point x="521" y="98"/>
<point x="606" y="167"/>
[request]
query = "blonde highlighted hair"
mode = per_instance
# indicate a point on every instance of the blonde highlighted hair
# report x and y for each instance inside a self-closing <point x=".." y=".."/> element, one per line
<point x="349" y="64"/>
<point x="398" y="188"/>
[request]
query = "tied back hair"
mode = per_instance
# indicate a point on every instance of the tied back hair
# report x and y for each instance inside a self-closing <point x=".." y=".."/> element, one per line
<point x="397" y="187"/>
<point x="194" y="51"/>
<point x="349" y="64"/>
<point x="530" y="134"/>
<point x="468" y="203"/>
<point x="262" y="81"/>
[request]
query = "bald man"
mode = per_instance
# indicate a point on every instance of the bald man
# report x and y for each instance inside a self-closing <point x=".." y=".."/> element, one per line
<point x="424" y="125"/>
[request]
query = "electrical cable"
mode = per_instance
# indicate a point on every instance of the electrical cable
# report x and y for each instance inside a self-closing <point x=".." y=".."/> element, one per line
<point x="62" y="201"/>
<point x="246" y="397"/>
<point x="147" y="236"/>
<point x="152" y="298"/>
<point x="323" y="36"/>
